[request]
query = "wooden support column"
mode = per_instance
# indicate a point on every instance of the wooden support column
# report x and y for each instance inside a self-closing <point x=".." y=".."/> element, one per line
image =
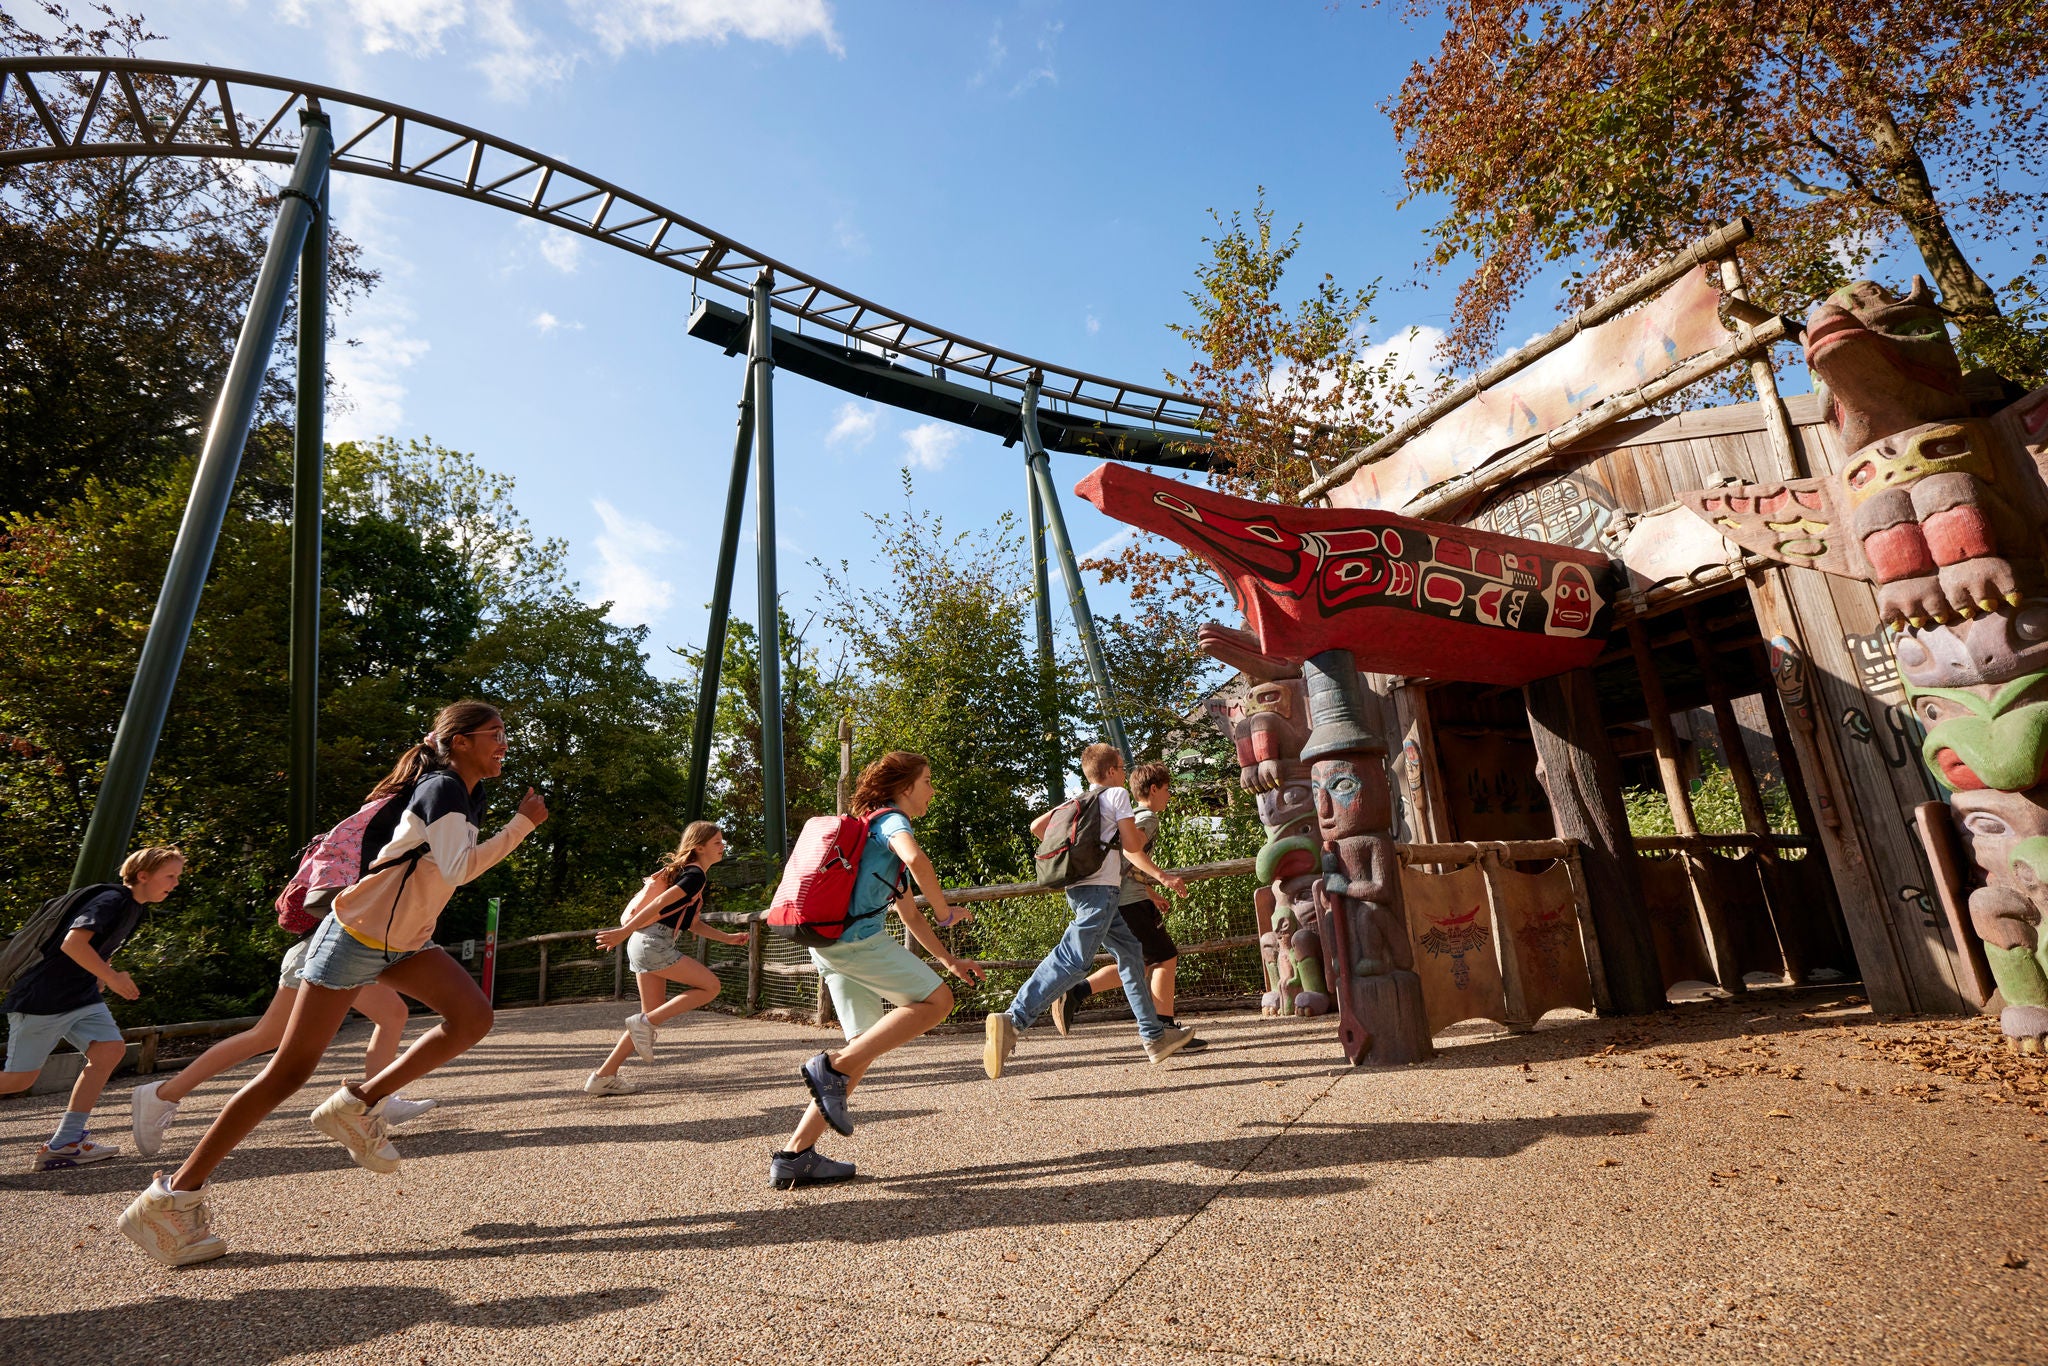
<point x="753" y="965"/>
<point x="1777" y="420"/>
<point x="541" y="987"/>
<point x="1669" y="766"/>
<point x="1796" y="776"/>
<point x="1733" y="752"/>
<point x="1417" y="776"/>
<point x="1575" y="761"/>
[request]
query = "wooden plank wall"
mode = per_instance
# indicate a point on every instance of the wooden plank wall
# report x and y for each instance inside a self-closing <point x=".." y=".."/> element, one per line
<point x="1866" y="742"/>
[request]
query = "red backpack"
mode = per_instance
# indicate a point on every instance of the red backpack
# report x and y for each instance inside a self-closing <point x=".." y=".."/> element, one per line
<point x="815" y="896"/>
<point x="333" y="863"/>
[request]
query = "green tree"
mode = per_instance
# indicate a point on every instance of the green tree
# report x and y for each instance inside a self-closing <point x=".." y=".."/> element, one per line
<point x="1614" y="132"/>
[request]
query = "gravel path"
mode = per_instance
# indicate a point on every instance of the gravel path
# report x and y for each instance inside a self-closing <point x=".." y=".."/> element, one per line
<point x="1780" y="1179"/>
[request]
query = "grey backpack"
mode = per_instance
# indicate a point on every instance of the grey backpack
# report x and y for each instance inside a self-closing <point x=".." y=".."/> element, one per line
<point x="32" y="939"/>
<point x="1073" y="848"/>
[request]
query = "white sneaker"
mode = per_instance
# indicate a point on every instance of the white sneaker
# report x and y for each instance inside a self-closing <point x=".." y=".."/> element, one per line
<point x="398" y="1110"/>
<point x="641" y="1031"/>
<point x="613" y="1085"/>
<point x="171" y="1226"/>
<point x="149" y="1118"/>
<point x="1169" y="1043"/>
<point x="358" y="1128"/>
<point x="79" y="1154"/>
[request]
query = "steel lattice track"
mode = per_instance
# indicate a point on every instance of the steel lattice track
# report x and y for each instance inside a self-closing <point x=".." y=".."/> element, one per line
<point x="59" y="108"/>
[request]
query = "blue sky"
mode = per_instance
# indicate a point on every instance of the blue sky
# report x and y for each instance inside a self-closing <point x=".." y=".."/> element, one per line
<point x="1036" y="174"/>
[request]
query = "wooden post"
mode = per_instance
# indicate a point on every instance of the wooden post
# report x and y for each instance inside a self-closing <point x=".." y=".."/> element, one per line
<point x="1796" y="777"/>
<point x="1777" y="420"/>
<point x="1418" y="775"/>
<point x="1575" y="761"/>
<point x="1727" y="968"/>
<point x="1589" y="937"/>
<point x="753" y="965"/>
<point x="541" y="991"/>
<point x="1670" y="768"/>
<point x="145" y="1057"/>
<point x="822" y="1015"/>
<point x="845" y="792"/>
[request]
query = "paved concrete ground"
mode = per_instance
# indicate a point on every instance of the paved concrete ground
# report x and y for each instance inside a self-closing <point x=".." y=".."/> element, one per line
<point x="1770" y="1180"/>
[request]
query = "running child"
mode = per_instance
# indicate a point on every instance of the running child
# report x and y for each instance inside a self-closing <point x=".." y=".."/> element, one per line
<point x="667" y="905"/>
<point x="1093" y="900"/>
<point x="885" y="994"/>
<point x="58" y="997"/>
<point x="153" y="1106"/>
<point x="1142" y="907"/>
<point x="380" y="930"/>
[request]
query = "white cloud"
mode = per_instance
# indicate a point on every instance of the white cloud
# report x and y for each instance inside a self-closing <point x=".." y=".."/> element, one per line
<point x="1114" y="542"/>
<point x="370" y="377"/>
<point x="545" y="322"/>
<point x="1094" y="324"/>
<point x="848" y="235"/>
<point x="1413" y="357"/>
<point x="414" y="27"/>
<point x="562" y="250"/>
<point x="513" y="60"/>
<point x="625" y="579"/>
<point x="620" y="24"/>
<point x="930" y="445"/>
<point x="998" y="53"/>
<point x="1045" y="72"/>
<point x="855" y="423"/>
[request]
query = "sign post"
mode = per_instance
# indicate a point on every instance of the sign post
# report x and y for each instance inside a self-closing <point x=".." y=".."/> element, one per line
<point x="491" y="951"/>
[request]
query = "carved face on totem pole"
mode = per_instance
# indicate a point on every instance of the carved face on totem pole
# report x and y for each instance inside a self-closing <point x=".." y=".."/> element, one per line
<point x="2007" y="836"/>
<point x="1352" y="796"/>
<point x="1884" y="360"/>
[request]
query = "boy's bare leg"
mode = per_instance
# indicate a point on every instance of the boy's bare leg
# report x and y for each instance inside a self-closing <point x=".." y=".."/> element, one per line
<point x="100" y="1061"/>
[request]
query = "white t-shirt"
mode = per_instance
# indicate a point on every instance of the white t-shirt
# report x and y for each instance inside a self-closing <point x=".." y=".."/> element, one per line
<point x="1114" y="807"/>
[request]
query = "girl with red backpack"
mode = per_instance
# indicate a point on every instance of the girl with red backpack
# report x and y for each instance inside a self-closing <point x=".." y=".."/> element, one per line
<point x="379" y="930"/>
<point x="652" y="924"/>
<point x="885" y="995"/>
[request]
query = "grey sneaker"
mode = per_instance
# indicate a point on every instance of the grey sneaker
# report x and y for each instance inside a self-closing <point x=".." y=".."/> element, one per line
<point x="828" y="1088"/>
<point x="1169" y="1043"/>
<point x="1002" y="1042"/>
<point x="807" y="1168"/>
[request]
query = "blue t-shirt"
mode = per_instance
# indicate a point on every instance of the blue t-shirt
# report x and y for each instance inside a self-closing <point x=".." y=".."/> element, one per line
<point x="881" y="874"/>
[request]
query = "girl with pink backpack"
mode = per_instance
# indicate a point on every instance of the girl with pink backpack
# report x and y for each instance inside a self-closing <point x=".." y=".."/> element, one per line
<point x="380" y="930"/>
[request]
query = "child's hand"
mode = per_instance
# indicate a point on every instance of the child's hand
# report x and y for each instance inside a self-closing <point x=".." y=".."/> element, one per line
<point x="611" y="939"/>
<point x="122" y="985"/>
<point x="955" y="915"/>
<point x="966" y="969"/>
<point x="1175" y="883"/>
<point x="532" y="807"/>
<point x="1158" y="898"/>
<point x="731" y="938"/>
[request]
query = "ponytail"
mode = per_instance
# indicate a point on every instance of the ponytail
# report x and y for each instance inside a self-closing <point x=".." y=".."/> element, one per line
<point x="430" y="755"/>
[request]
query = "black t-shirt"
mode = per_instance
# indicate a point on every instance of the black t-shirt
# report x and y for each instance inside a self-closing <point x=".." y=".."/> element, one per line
<point x="689" y="881"/>
<point x="56" y="983"/>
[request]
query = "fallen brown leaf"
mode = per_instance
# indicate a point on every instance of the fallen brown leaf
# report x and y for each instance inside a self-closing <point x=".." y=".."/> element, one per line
<point x="2014" y="1262"/>
<point x="1009" y="1256"/>
<point x="1608" y="1162"/>
<point x="1779" y="1114"/>
<point x="1646" y="1100"/>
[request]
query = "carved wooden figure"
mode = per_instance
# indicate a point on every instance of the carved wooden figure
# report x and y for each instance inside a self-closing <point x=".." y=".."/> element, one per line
<point x="1379" y="996"/>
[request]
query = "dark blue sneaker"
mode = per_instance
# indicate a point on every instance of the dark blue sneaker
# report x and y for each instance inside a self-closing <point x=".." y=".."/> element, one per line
<point x="828" y="1088"/>
<point x="807" y="1168"/>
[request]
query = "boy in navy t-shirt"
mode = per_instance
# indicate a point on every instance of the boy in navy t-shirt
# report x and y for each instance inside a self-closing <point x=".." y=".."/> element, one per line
<point x="58" y="997"/>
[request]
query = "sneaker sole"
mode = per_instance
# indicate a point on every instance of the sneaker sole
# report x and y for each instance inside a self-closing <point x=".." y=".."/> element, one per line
<point x="1002" y="1040"/>
<point x="365" y="1159"/>
<point x="783" y="1183"/>
<point x="1059" y="1017"/>
<point x="64" y="1164"/>
<point x="843" y="1130"/>
<point x="205" y="1250"/>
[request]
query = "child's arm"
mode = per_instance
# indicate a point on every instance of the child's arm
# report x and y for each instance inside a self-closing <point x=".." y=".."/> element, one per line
<point x="704" y="931"/>
<point x="1038" y="825"/>
<point x="644" y="909"/>
<point x="905" y="846"/>
<point x="77" y="946"/>
<point x="920" y="929"/>
<point x="1142" y="861"/>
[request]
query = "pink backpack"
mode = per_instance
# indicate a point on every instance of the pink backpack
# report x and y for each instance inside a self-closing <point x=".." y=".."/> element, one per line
<point x="332" y="863"/>
<point x="816" y="892"/>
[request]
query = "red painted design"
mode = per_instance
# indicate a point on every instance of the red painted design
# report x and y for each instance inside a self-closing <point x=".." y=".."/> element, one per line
<point x="1898" y="552"/>
<point x="1961" y="533"/>
<point x="1405" y="596"/>
<point x="1957" y="772"/>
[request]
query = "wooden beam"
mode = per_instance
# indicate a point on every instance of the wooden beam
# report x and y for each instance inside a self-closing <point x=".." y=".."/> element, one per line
<point x="1576" y="764"/>
<point x="1777" y="420"/>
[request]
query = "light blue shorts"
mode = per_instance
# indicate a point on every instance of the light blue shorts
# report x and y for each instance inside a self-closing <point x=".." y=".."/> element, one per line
<point x="31" y="1037"/>
<point x="653" y="950"/>
<point x="869" y="975"/>
<point x="339" y="961"/>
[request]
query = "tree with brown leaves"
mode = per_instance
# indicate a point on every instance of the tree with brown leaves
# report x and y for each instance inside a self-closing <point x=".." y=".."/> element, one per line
<point x="1617" y="131"/>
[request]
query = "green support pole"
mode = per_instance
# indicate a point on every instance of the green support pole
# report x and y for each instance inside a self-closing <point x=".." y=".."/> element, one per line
<point x="721" y="607"/>
<point x="761" y="366"/>
<point x="119" y="800"/>
<point x="1077" y="596"/>
<point x="308" y="449"/>
<point x="1041" y="596"/>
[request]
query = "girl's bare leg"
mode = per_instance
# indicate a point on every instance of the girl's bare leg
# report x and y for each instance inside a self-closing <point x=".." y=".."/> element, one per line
<point x="658" y="1006"/>
<point x="437" y="982"/>
<point x="387" y="1013"/>
<point x="316" y="1014"/>
<point x="232" y="1051"/>
<point x="895" y="1029"/>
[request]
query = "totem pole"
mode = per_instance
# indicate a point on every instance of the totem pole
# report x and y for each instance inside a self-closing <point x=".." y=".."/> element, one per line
<point x="1380" y="1015"/>
<point x="1940" y="508"/>
<point x="1268" y="728"/>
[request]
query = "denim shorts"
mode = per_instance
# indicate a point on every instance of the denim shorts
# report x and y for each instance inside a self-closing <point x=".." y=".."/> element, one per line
<point x="339" y="961"/>
<point x="870" y="975"/>
<point x="294" y="959"/>
<point x="653" y="949"/>
<point x="31" y="1037"/>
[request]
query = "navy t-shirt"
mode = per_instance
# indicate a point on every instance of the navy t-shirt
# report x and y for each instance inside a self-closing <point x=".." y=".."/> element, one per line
<point x="677" y="915"/>
<point x="56" y="983"/>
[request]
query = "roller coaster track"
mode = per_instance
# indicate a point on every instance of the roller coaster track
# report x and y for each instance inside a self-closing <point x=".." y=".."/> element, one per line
<point x="61" y="108"/>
